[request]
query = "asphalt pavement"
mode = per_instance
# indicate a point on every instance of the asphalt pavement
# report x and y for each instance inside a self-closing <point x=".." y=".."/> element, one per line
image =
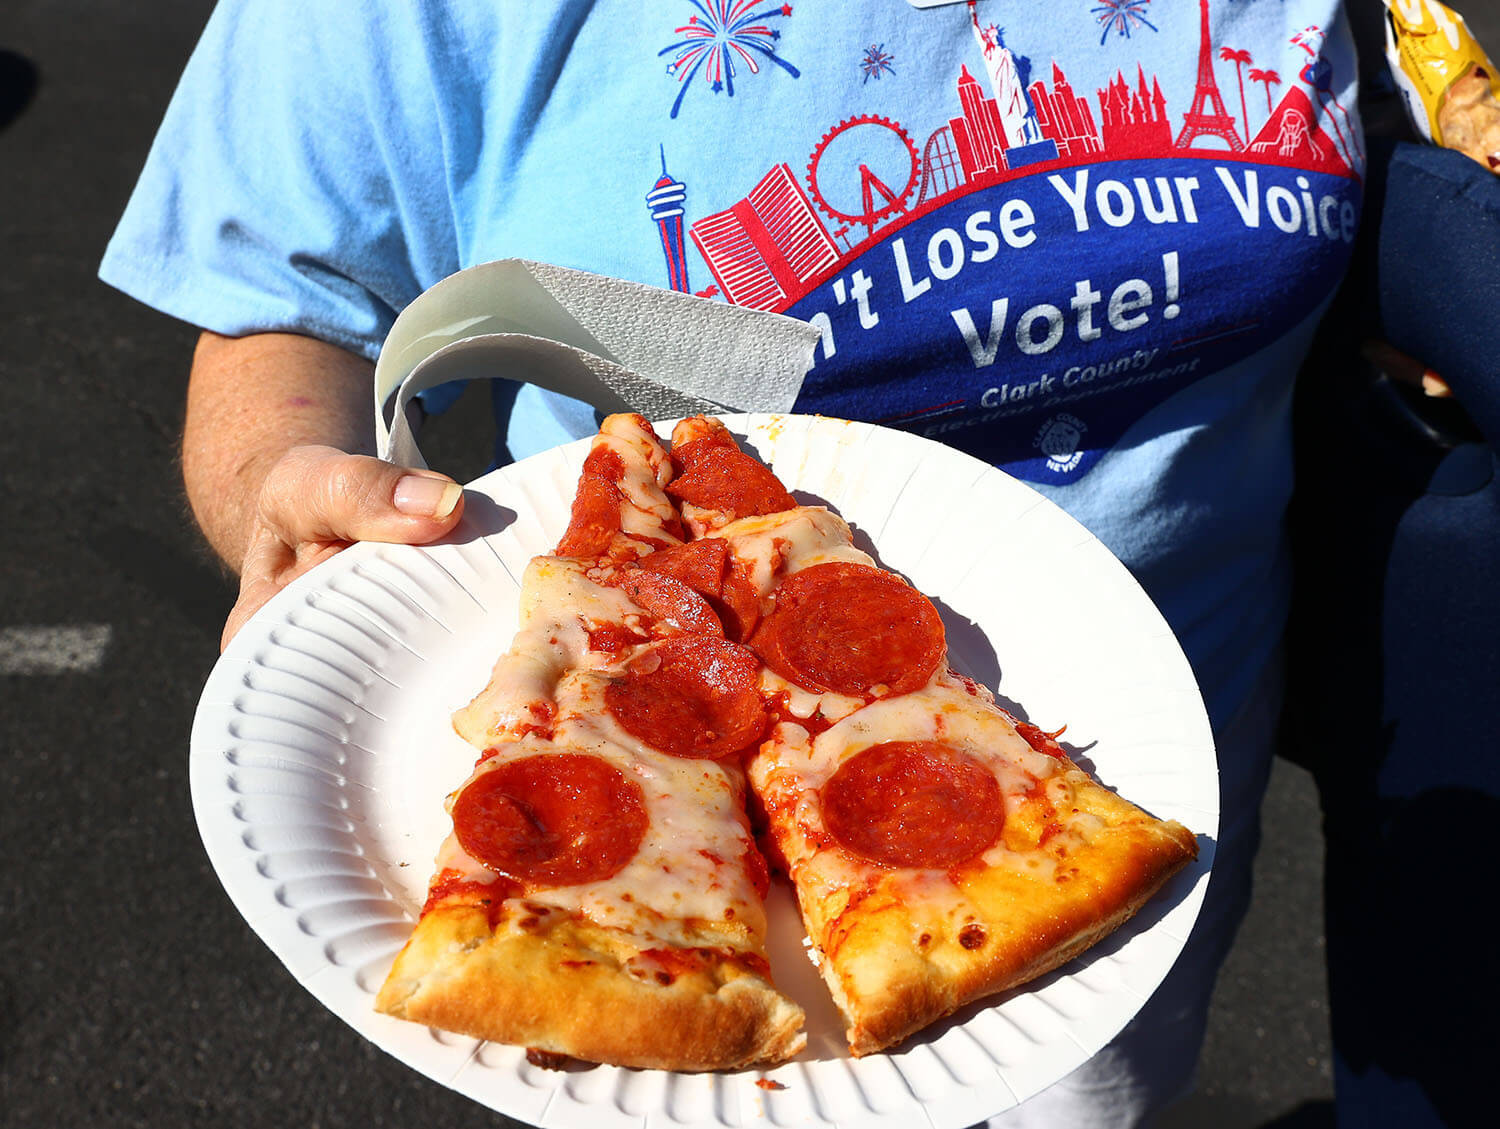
<point x="131" y="992"/>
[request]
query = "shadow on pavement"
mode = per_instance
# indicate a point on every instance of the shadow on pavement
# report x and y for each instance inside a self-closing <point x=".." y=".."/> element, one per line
<point x="1198" y="1111"/>
<point x="196" y="588"/>
<point x="1308" y="1115"/>
<point x="18" y="83"/>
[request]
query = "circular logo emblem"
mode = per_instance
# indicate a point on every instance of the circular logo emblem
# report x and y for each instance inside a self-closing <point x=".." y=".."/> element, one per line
<point x="1059" y="439"/>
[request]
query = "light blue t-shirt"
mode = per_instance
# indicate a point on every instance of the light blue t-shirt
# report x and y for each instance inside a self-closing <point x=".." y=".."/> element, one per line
<point x="1085" y="241"/>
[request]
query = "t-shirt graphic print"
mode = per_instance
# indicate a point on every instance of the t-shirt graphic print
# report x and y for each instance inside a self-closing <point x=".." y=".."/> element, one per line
<point x="1027" y="258"/>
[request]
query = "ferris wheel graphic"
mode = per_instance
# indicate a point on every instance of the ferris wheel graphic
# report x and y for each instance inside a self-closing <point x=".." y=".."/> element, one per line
<point x="864" y="170"/>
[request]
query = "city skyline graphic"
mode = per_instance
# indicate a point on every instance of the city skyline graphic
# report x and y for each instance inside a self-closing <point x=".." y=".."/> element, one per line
<point x="870" y="174"/>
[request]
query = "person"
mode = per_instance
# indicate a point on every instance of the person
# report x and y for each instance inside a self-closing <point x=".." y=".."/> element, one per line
<point x="1393" y="691"/>
<point x="1064" y="238"/>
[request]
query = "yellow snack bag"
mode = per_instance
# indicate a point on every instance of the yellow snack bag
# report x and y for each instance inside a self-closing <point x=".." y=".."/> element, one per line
<point x="1451" y="89"/>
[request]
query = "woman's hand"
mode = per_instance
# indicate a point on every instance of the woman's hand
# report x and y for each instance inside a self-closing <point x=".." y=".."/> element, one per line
<point x="317" y="500"/>
<point x="271" y="421"/>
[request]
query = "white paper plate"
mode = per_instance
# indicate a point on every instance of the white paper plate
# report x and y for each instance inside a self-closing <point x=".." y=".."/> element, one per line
<point x="322" y="750"/>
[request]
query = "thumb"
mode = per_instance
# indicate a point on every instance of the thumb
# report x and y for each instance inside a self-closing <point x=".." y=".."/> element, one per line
<point x="319" y="494"/>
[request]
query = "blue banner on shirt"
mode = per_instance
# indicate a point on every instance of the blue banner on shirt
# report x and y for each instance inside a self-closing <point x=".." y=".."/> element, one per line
<point x="1041" y="369"/>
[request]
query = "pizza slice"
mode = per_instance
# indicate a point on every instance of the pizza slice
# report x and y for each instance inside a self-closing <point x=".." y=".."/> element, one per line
<point x="940" y="849"/>
<point x="601" y="895"/>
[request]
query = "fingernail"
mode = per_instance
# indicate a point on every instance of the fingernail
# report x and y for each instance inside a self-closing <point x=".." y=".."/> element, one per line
<point x="426" y="497"/>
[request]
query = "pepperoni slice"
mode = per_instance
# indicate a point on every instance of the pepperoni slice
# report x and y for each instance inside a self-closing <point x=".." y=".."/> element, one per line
<point x="559" y="819"/>
<point x="719" y="476"/>
<point x="913" y="803"/>
<point x="596" y="506"/>
<point x="691" y="696"/>
<point x="694" y="435"/>
<point x="612" y="638"/>
<point x="698" y="564"/>
<point x="739" y="601"/>
<point x="710" y="569"/>
<point x="669" y="599"/>
<point x="848" y="628"/>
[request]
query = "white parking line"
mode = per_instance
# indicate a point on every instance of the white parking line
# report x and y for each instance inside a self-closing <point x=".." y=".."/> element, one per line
<point x="61" y="649"/>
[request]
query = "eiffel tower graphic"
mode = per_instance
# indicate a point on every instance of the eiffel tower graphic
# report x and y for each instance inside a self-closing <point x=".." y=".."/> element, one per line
<point x="1200" y="120"/>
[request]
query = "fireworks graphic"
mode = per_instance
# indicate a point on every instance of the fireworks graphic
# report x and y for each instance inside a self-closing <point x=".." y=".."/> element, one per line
<point x="726" y="35"/>
<point x="876" y="62"/>
<point x="1122" y="17"/>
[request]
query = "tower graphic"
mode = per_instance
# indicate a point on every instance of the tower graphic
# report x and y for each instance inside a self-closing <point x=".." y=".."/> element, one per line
<point x="1134" y="122"/>
<point x="1064" y="117"/>
<point x="1200" y="120"/>
<point x="978" y="133"/>
<point x="665" y="201"/>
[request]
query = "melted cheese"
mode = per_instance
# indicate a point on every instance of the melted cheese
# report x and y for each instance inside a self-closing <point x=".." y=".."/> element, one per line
<point x="687" y="884"/>
<point x="690" y="873"/>
<point x="559" y="602"/>
<point x="776" y="545"/>
<point x="806" y="703"/>
<point x="645" y="511"/>
<point x="792" y="769"/>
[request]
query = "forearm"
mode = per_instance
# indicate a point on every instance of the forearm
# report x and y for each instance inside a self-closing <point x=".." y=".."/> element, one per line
<point x="252" y="399"/>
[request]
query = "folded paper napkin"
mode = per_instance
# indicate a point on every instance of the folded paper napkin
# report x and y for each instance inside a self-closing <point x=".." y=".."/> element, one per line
<point x="620" y="346"/>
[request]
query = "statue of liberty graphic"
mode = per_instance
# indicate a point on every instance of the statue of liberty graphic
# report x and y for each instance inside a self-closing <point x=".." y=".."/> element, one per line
<point x="1008" y="85"/>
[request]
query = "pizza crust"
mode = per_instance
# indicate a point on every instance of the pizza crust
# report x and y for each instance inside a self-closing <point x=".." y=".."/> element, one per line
<point x="897" y="958"/>
<point x="558" y="983"/>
